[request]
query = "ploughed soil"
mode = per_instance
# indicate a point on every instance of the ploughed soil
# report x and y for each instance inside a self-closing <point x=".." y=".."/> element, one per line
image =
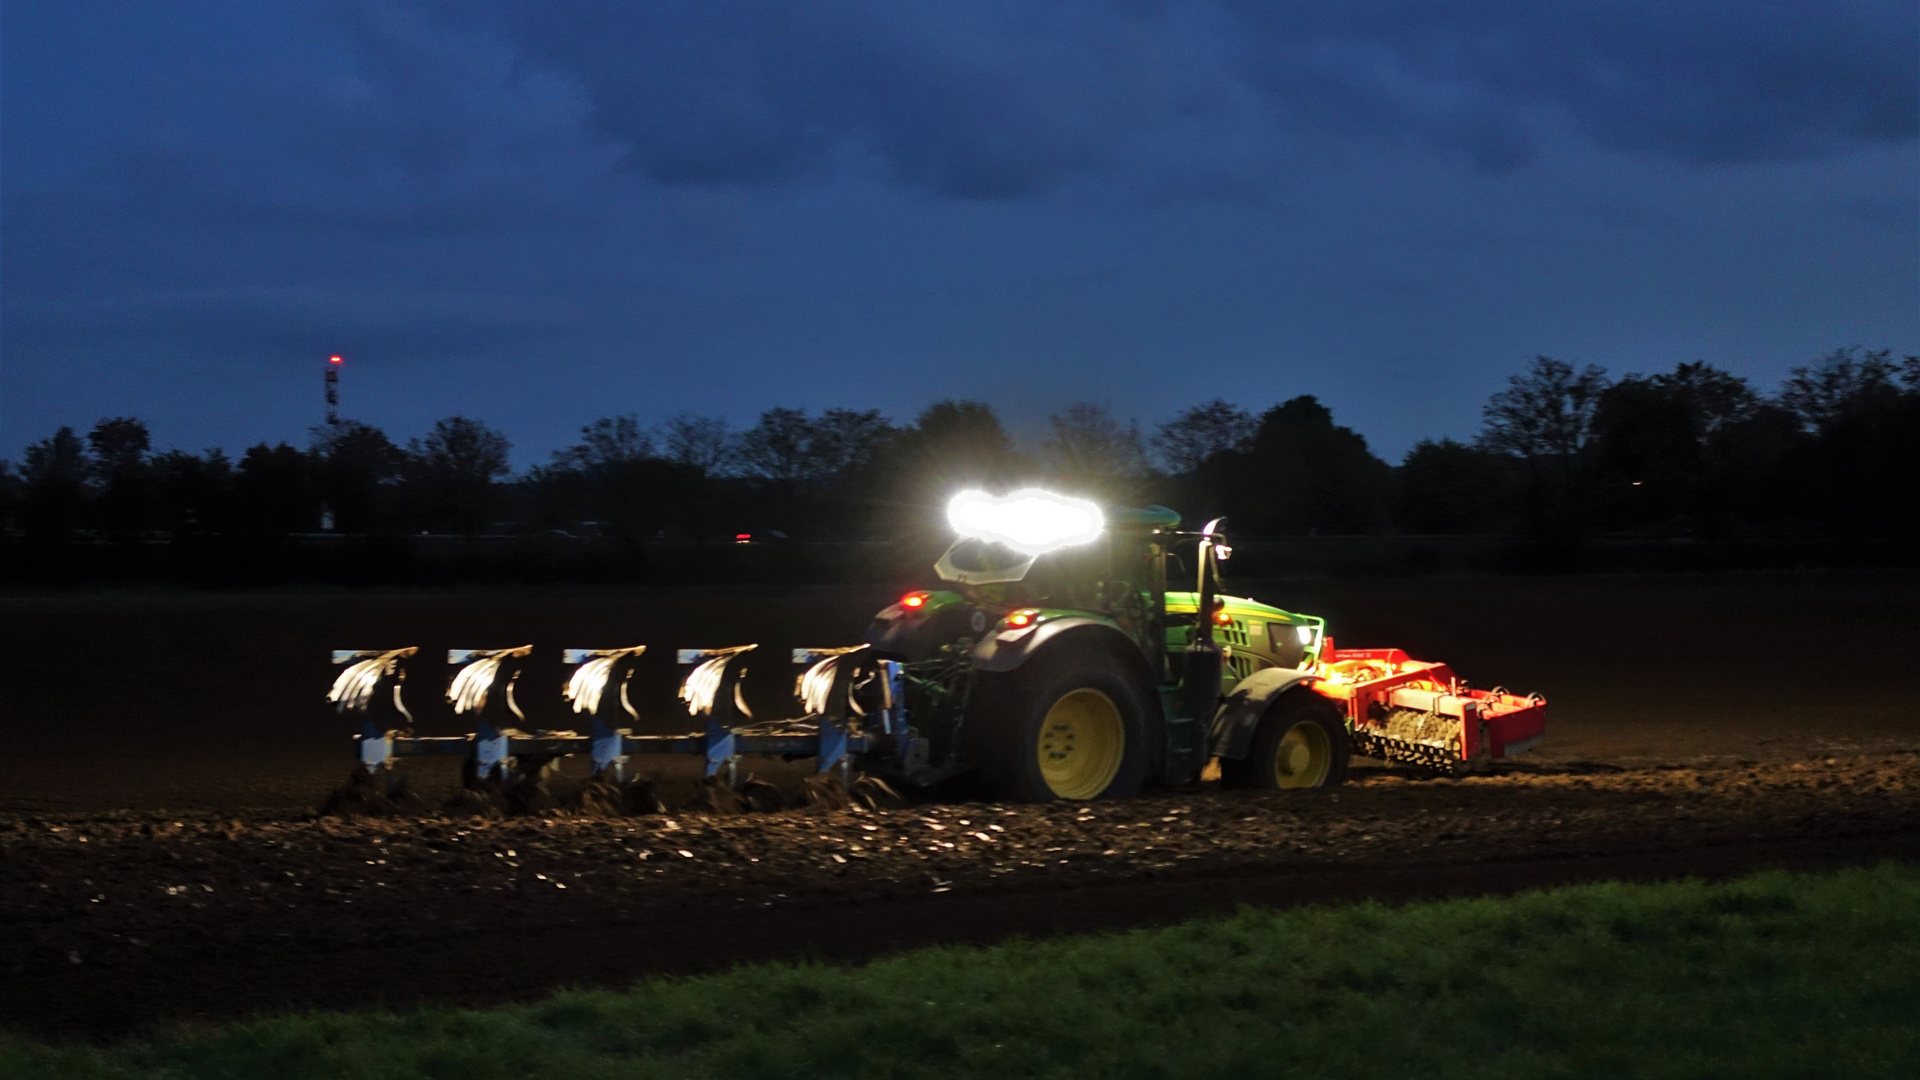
<point x="117" y="920"/>
<point x="160" y="859"/>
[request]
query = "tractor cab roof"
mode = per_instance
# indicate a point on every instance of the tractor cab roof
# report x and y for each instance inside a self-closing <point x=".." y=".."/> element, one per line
<point x="1142" y="518"/>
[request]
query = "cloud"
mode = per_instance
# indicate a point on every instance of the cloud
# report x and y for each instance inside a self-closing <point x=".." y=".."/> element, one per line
<point x="851" y="197"/>
<point x="1007" y="98"/>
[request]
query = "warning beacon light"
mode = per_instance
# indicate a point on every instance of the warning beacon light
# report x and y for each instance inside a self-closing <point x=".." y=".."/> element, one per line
<point x="1030" y="521"/>
<point x="333" y="359"/>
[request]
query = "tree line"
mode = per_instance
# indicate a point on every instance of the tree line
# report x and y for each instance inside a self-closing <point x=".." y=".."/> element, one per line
<point x="1564" y="453"/>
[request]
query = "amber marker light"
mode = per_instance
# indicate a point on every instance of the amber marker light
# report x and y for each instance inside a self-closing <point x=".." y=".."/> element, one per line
<point x="1221" y="618"/>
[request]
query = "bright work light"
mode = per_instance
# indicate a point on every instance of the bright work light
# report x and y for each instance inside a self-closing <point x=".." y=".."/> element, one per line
<point x="1032" y="521"/>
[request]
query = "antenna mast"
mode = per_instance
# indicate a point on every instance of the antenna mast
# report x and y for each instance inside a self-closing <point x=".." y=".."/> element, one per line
<point x="333" y="391"/>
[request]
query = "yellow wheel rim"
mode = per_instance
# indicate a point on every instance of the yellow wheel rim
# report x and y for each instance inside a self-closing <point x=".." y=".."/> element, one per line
<point x="1081" y="742"/>
<point x="1303" y="757"/>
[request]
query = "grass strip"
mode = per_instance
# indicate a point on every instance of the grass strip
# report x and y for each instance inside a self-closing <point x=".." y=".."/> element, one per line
<point x="1775" y="975"/>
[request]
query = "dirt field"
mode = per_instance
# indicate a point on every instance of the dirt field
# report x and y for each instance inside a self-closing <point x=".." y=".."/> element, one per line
<point x="158" y="860"/>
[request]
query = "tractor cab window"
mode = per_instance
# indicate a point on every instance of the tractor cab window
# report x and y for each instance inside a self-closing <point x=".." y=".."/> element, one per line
<point x="978" y="562"/>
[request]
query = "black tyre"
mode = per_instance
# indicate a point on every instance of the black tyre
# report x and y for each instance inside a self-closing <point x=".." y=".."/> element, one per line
<point x="1071" y="723"/>
<point x="1300" y="743"/>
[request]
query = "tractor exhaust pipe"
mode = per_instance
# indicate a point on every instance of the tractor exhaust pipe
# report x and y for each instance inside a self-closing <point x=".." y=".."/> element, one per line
<point x="1200" y="684"/>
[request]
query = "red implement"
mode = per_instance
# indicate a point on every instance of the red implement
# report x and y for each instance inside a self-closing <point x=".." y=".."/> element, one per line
<point x="1419" y="712"/>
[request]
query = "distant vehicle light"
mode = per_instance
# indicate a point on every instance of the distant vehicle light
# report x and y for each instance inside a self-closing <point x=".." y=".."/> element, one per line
<point x="914" y="601"/>
<point x="742" y="538"/>
<point x="1030" y="521"/>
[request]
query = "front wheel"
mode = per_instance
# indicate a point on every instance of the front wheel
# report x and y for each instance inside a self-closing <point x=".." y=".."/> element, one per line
<point x="1300" y="743"/>
<point x="1067" y="726"/>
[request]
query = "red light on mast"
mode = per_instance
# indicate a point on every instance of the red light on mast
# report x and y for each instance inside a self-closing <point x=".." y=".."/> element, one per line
<point x="333" y="359"/>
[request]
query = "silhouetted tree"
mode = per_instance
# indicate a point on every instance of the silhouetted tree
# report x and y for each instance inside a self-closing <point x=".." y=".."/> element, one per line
<point x="843" y="442"/>
<point x="610" y="442"/>
<point x="1093" y="451"/>
<point x="1664" y="445"/>
<point x="952" y="445"/>
<point x="1544" y="418"/>
<point x="1202" y="448"/>
<point x="1767" y="470"/>
<point x="699" y="442"/>
<point x="1863" y="412"/>
<point x="1304" y="474"/>
<point x="1845" y="380"/>
<point x="775" y="448"/>
<point x="195" y="494"/>
<point x="122" y="481"/>
<point x="963" y="441"/>
<point x="615" y="477"/>
<point x="53" y="474"/>
<point x="773" y="452"/>
<point x="451" y="474"/>
<point x="1449" y="488"/>
<point x="10" y="495"/>
<point x="803" y="467"/>
<point x="1185" y="442"/>
<point x="273" y="492"/>
<point x="850" y="475"/>
<point x="358" y="472"/>
<point x="703" y="452"/>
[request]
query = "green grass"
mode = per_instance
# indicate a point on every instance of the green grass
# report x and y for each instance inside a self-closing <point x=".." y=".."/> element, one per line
<point x="1776" y="975"/>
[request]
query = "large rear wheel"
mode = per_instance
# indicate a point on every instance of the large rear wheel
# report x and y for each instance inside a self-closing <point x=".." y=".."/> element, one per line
<point x="1300" y="743"/>
<point x="1069" y="724"/>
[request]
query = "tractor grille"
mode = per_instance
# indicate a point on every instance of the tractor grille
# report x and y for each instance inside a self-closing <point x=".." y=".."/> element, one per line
<point x="1242" y="663"/>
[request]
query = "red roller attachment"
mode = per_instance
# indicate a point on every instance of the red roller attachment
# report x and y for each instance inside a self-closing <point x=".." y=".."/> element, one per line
<point x="1420" y="712"/>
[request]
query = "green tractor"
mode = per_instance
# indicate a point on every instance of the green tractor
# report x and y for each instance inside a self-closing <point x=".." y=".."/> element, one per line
<point x="1058" y="663"/>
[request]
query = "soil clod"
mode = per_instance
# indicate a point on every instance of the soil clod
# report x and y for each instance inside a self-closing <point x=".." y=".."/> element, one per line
<point x="825" y="791"/>
<point x="714" y="795"/>
<point x="761" y="796"/>
<point x="382" y="793"/>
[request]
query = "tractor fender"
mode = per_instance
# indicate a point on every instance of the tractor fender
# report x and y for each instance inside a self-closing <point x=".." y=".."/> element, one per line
<point x="1251" y="697"/>
<point x="1006" y="650"/>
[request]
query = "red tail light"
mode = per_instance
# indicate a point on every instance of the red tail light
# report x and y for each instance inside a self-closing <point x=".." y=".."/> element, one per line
<point x="1021" y="618"/>
<point x="914" y="601"/>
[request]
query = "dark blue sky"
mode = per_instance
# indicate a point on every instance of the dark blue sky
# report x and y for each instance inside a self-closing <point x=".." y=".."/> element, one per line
<point x="541" y="213"/>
